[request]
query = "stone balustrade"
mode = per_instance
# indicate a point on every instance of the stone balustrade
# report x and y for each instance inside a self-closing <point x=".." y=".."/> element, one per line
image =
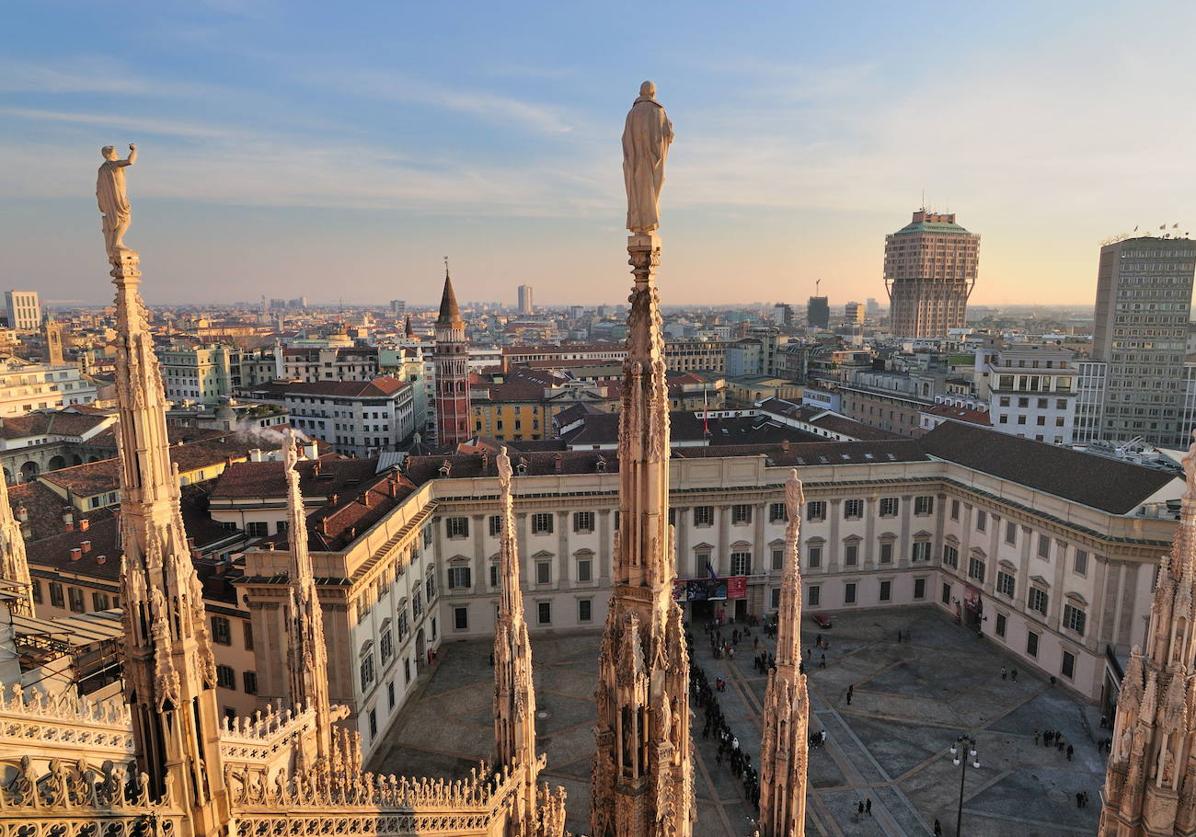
<point x="42" y="726"/>
<point x="268" y="737"/>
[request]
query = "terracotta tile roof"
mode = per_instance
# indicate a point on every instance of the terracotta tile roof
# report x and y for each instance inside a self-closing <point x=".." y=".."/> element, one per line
<point x="49" y="423"/>
<point x="850" y="427"/>
<point x="45" y="508"/>
<point x="1096" y="481"/>
<point x="267" y="479"/>
<point x="382" y="387"/>
<point x="950" y="411"/>
<point x="421" y="469"/>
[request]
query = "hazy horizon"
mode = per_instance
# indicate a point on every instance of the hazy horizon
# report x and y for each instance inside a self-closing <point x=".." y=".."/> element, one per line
<point x="296" y="150"/>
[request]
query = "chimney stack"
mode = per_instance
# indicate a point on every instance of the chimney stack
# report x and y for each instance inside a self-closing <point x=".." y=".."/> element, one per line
<point x="76" y="553"/>
<point x="84" y="524"/>
<point x="85" y="546"/>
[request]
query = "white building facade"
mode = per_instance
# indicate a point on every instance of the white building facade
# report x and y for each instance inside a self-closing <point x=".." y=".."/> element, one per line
<point x="25" y="387"/>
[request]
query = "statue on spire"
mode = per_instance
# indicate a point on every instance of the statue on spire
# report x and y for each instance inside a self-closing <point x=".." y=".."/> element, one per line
<point x="647" y="135"/>
<point x="113" y="198"/>
<point x="14" y="568"/>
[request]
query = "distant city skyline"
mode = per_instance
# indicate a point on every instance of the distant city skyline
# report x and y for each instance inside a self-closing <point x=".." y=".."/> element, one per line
<point x="488" y="137"/>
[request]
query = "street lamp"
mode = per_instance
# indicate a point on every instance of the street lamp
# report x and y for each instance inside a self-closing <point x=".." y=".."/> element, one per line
<point x="963" y="751"/>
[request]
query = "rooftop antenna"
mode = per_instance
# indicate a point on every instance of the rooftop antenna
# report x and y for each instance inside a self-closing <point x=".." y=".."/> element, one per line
<point x="446" y="267"/>
<point x="817" y="283"/>
<point x="923" y="200"/>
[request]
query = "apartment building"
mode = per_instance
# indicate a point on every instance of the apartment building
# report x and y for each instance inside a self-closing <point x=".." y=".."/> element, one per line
<point x="25" y="387"/>
<point x="1031" y="391"/>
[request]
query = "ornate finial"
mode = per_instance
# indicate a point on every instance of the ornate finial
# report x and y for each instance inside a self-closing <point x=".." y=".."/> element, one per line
<point x="647" y="135"/>
<point x="504" y="470"/>
<point x="446" y="268"/>
<point x="794" y="495"/>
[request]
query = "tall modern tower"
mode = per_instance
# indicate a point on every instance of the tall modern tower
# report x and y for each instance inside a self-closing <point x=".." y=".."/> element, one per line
<point x="1143" y="300"/>
<point x="452" y="370"/>
<point x="526" y="305"/>
<point x="818" y="312"/>
<point x="930" y="270"/>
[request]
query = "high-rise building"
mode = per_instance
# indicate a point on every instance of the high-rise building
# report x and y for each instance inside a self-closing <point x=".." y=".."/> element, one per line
<point x="526" y="306"/>
<point x="818" y="312"/>
<point x="452" y="370"/>
<point x="872" y="307"/>
<point x="1143" y="300"/>
<point x="782" y="314"/>
<point x="24" y="310"/>
<point x="398" y="308"/>
<point x="853" y="312"/>
<point x="930" y="270"/>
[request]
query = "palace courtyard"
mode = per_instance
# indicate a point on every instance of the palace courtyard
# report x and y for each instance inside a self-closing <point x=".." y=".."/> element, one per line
<point x="911" y="700"/>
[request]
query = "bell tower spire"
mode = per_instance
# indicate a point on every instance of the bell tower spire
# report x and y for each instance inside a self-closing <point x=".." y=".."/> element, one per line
<point x="169" y="670"/>
<point x="307" y="655"/>
<point x="783" y="752"/>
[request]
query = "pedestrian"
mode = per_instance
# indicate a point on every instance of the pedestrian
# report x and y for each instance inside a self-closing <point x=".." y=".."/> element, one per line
<point x="868" y="806"/>
<point x="850" y="693"/>
<point x="1013" y="675"/>
<point x="1070" y="750"/>
<point x="938" y="829"/>
<point x="1035" y="738"/>
<point x="860" y="808"/>
<point x="1079" y="799"/>
<point x="822" y="662"/>
<point x="1003" y="672"/>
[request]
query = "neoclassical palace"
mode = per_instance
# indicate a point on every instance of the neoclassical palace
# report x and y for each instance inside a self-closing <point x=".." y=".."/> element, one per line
<point x="1050" y="553"/>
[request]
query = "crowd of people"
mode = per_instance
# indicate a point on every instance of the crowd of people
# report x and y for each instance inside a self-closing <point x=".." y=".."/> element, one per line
<point x="705" y="697"/>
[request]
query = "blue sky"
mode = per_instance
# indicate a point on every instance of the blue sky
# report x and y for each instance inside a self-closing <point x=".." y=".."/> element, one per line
<point x="341" y="150"/>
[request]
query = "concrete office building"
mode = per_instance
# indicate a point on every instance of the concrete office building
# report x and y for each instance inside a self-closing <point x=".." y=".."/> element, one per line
<point x="23" y="309"/>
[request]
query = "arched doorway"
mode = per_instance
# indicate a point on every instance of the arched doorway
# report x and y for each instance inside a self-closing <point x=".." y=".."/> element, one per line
<point x="57" y="462"/>
<point x="76" y="459"/>
<point x="28" y="471"/>
<point x="421" y="653"/>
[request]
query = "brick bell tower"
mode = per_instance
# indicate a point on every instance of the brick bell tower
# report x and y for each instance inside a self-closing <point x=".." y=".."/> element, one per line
<point x="452" y="369"/>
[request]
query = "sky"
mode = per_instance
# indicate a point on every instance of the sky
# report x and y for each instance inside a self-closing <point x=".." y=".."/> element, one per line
<point x="341" y="150"/>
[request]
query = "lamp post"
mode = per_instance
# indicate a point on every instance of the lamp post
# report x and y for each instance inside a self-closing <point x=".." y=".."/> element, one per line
<point x="962" y="751"/>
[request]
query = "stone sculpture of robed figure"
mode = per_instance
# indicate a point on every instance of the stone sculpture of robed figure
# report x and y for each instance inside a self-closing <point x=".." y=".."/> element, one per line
<point x="113" y="198"/>
<point x="646" y="138"/>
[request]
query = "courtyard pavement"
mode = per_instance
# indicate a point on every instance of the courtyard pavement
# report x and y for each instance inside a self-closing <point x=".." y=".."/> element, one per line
<point x="911" y="700"/>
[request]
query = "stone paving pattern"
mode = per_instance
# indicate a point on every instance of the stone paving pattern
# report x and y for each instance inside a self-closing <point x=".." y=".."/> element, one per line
<point x="911" y="700"/>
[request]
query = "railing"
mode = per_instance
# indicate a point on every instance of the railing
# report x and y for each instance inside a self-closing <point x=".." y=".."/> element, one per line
<point x="40" y="722"/>
<point x="267" y="734"/>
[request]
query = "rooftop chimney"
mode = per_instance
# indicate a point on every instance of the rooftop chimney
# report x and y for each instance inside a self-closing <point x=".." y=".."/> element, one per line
<point x="101" y="559"/>
<point x="22" y="513"/>
<point x="255" y="455"/>
<point x="558" y="463"/>
<point x="76" y="553"/>
<point x="84" y="524"/>
<point x="85" y="546"/>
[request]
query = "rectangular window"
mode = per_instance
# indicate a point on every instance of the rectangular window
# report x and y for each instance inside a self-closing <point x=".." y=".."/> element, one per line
<point x="1044" y="547"/>
<point x="946" y="597"/>
<point x="495" y="525"/>
<point x="584" y="610"/>
<point x="919" y="588"/>
<point x="249" y="680"/>
<point x="923" y="505"/>
<point x="778" y="559"/>
<point x="814" y="559"/>
<point x="851" y="554"/>
<point x="888" y="506"/>
<point x="955" y="510"/>
<point x="921" y="551"/>
<point x="1080" y="562"/>
<point x="75" y="597"/>
<point x="543" y="572"/>
<point x="99" y="601"/>
<point x="981" y="520"/>
<point x="226" y="678"/>
<point x="1005" y="584"/>
<point x="585" y="570"/>
<point x="703" y="515"/>
<point x="461" y="618"/>
<point x="247" y="634"/>
<point x="386" y="645"/>
<point x="886" y="591"/>
<point x="456" y="527"/>
<point x="56" y="597"/>
<point x="544" y="613"/>
<point x="849" y="593"/>
<point x="815" y="595"/>
<point x="1032" y="644"/>
<point x="459" y="578"/>
<point x="583" y="521"/>
<point x="257" y="529"/>
<point x="741" y="563"/>
<point x="777" y="513"/>
<point x="1069" y="665"/>
<point x="774" y="598"/>
<point x="741" y="513"/>
<point x="816" y="510"/>
<point x="221" y="631"/>
<point x="373" y="724"/>
<point x="36" y="589"/>
<point x="390" y="695"/>
<point x="853" y="509"/>
<point x="950" y="557"/>
<point x="494" y="575"/>
<point x="542" y="523"/>
<point x="1074" y="619"/>
<point x="886" y="553"/>
<point x="1038" y="600"/>
<point x="1011" y="533"/>
<point x="1001" y="624"/>
<point x="976" y="569"/>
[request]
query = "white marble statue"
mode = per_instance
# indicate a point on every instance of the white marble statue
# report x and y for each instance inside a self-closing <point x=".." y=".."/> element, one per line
<point x="646" y="138"/>
<point x="113" y="198"/>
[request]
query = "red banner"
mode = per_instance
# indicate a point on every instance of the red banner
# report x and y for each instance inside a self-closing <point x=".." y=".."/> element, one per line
<point x="737" y="587"/>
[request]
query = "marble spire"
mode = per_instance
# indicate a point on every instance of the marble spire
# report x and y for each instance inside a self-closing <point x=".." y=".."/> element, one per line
<point x="13" y="567"/>
<point x="1150" y="781"/>
<point x="642" y="780"/>
<point x="783" y="751"/>
<point x="169" y="671"/>
<point x="514" y="694"/>
<point x="307" y="653"/>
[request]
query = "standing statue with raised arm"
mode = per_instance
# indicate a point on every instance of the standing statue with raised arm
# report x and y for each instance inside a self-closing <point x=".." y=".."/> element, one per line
<point x="646" y="138"/>
<point x="113" y="198"/>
